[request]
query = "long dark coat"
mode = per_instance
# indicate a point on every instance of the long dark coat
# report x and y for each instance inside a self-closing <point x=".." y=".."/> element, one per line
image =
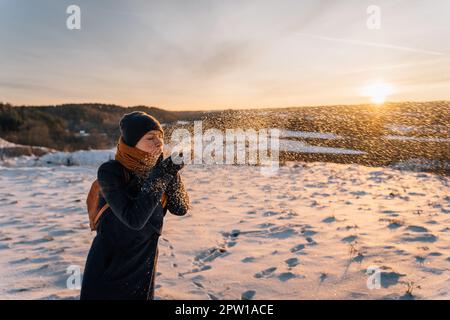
<point x="121" y="263"/>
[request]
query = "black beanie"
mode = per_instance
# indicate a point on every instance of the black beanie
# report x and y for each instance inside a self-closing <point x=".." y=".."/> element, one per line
<point x="134" y="125"/>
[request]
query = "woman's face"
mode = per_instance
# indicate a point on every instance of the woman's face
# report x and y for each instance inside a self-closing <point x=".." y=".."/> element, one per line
<point x="151" y="142"/>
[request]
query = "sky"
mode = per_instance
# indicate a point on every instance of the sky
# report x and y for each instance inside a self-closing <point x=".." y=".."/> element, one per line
<point x="209" y="54"/>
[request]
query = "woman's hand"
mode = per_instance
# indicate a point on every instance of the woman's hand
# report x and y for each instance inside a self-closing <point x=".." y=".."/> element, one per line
<point x="172" y="164"/>
<point x="161" y="175"/>
<point x="177" y="197"/>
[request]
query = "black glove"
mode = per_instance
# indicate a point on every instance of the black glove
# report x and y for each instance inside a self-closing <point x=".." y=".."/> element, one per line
<point x="161" y="174"/>
<point x="172" y="164"/>
<point x="177" y="197"/>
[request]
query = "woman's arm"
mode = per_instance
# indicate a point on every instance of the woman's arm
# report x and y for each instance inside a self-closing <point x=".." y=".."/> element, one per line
<point x="134" y="213"/>
<point x="177" y="197"/>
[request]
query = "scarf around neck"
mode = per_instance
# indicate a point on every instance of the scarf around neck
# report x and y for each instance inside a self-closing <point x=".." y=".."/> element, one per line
<point x="134" y="159"/>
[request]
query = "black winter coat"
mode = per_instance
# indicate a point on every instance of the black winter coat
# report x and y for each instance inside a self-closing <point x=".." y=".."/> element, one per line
<point x="121" y="263"/>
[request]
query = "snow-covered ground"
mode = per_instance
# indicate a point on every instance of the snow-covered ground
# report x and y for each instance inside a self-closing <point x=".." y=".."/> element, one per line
<point x="303" y="147"/>
<point x="309" y="232"/>
<point x="6" y="144"/>
<point x="96" y="157"/>
<point x="418" y="139"/>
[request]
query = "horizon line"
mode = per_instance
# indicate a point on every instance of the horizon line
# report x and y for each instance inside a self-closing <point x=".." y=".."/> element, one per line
<point x="224" y="109"/>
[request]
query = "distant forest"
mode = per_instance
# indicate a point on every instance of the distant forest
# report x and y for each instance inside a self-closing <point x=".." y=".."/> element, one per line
<point x="71" y="127"/>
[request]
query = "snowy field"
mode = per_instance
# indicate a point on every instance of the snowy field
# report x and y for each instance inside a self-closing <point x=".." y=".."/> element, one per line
<point x="310" y="232"/>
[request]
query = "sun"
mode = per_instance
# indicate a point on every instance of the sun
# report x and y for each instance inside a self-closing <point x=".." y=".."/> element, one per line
<point x="378" y="92"/>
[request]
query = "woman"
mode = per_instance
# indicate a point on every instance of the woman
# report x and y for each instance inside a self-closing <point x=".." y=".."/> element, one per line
<point x="139" y="187"/>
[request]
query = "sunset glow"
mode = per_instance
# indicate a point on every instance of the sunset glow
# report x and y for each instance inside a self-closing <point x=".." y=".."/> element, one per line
<point x="211" y="55"/>
<point x="378" y="92"/>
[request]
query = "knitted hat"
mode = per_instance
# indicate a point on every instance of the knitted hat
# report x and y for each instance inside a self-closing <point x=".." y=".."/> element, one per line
<point x="134" y="125"/>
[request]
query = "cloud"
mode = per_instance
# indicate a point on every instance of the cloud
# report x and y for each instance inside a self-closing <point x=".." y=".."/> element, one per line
<point x="374" y="44"/>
